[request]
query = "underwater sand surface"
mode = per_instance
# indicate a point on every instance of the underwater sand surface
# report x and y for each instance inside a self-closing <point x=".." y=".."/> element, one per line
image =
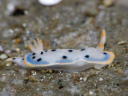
<point x="70" y="24"/>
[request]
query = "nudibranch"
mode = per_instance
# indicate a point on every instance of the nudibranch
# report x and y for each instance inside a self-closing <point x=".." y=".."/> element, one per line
<point x="66" y="59"/>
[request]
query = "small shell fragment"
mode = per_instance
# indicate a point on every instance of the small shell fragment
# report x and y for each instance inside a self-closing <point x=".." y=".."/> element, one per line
<point x="1" y="48"/>
<point x="91" y="92"/>
<point x="101" y="79"/>
<point x="122" y="42"/>
<point x="49" y="2"/>
<point x="108" y="3"/>
<point x="3" y="56"/>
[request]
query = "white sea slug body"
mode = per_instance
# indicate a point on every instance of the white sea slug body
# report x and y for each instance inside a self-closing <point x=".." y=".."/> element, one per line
<point x="66" y="59"/>
<point x="49" y="2"/>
